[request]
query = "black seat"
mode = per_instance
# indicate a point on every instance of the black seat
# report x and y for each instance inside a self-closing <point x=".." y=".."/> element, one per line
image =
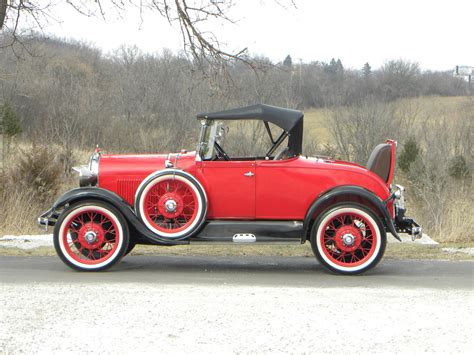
<point x="380" y="161"/>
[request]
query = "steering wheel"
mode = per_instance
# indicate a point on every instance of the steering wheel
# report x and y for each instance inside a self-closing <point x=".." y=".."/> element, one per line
<point x="220" y="152"/>
<point x="281" y="155"/>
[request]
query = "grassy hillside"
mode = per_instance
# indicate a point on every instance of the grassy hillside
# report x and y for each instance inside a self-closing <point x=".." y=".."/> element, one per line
<point x="425" y="109"/>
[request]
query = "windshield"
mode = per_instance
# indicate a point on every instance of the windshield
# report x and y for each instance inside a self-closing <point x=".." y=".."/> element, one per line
<point x="237" y="140"/>
<point x="211" y="132"/>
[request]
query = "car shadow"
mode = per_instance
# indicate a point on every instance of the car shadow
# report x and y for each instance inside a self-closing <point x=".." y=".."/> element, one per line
<point x="233" y="265"/>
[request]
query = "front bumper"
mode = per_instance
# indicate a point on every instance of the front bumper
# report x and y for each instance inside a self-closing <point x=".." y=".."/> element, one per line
<point x="48" y="218"/>
<point x="402" y="223"/>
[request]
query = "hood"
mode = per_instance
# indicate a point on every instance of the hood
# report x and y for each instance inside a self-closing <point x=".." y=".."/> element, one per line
<point x="124" y="173"/>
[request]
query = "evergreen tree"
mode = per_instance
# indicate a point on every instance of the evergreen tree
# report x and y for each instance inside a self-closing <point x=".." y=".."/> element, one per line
<point x="334" y="67"/>
<point x="409" y="154"/>
<point x="288" y="62"/>
<point x="9" y="121"/>
<point x="367" y="70"/>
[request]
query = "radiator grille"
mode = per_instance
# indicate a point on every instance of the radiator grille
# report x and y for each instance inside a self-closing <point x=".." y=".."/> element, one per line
<point x="127" y="188"/>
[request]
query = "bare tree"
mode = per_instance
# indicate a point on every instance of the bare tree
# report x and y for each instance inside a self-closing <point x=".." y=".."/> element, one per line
<point x="190" y="16"/>
<point x="358" y="129"/>
<point x="399" y="78"/>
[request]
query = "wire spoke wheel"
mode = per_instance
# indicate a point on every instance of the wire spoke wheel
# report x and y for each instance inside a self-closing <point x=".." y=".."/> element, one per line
<point x="171" y="205"/>
<point x="348" y="239"/>
<point x="90" y="237"/>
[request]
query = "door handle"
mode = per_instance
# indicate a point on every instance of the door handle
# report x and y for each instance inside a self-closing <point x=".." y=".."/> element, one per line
<point x="249" y="174"/>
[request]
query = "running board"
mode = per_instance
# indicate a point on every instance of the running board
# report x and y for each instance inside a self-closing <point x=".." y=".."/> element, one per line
<point x="249" y="232"/>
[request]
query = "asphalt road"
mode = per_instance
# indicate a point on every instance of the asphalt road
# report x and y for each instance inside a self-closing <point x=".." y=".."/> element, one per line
<point x="252" y="271"/>
<point x="220" y="305"/>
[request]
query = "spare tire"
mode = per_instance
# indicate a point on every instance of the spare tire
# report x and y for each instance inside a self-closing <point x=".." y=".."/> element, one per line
<point x="171" y="203"/>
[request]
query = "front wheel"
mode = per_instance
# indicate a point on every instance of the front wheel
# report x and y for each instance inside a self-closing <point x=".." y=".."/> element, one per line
<point x="348" y="239"/>
<point x="91" y="236"/>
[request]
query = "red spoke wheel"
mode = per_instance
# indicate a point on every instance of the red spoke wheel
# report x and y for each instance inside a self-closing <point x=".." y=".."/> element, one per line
<point x="91" y="236"/>
<point x="171" y="204"/>
<point x="348" y="239"/>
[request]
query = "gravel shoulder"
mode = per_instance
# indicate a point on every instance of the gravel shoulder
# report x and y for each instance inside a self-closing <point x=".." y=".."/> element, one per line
<point x="131" y="317"/>
<point x="202" y="304"/>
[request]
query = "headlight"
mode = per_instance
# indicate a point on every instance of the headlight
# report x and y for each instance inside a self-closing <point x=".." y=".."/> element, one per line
<point x="94" y="163"/>
<point x="88" y="173"/>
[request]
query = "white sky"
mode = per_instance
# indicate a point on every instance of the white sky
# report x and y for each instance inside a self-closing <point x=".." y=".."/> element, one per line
<point x="437" y="34"/>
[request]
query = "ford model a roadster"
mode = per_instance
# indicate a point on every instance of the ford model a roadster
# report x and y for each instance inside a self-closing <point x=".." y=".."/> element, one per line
<point x="209" y="196"/>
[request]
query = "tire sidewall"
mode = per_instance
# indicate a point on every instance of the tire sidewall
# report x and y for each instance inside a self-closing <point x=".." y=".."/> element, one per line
<point x="63" y="221"/>
<point x="155" y="178"/>
<point x="366" y="213"/>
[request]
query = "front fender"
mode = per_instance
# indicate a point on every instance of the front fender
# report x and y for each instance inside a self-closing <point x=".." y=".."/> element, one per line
<point x="95" y="193"/>
<point x="340" y="194"/>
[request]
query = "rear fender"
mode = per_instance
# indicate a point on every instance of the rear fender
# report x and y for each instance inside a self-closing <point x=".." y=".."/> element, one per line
<point x="95" y="193"/>
<point x="348" y="194"/>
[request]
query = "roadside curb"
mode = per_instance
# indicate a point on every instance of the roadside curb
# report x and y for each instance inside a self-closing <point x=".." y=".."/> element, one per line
<point x="424" y="240"/>
<point x="26" y="242"/>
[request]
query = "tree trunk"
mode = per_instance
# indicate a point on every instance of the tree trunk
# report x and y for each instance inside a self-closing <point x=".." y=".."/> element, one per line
<point x="3" y="12"/>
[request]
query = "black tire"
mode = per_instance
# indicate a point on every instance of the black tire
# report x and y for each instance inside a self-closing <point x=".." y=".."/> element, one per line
<point x="166" y="224"/>
<point x="131" y="246"/>
<point x="108" y="232"/>
<point x="348" y="238"/>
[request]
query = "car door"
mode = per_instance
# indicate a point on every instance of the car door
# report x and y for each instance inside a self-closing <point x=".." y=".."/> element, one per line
<point x="230" y="188"/>
<point x="282" y="191"/>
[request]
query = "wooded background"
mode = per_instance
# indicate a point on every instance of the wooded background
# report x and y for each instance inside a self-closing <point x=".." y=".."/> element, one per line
<point x="60" y="98"/>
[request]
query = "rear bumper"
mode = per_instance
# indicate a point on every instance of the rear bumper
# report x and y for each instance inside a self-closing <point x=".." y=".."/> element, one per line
<point x="408" y="225"/>
<point x="402" y="223"/>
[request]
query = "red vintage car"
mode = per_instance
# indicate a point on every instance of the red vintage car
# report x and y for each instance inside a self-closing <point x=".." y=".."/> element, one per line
<point x="208" y="196"/>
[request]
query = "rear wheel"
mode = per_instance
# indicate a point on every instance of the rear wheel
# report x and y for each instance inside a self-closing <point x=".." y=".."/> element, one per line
<point x="348" y="239"/>
<point x="91" y="236"/>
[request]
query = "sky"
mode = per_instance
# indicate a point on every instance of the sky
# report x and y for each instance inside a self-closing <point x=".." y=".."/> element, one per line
<point x="436" y="34"/>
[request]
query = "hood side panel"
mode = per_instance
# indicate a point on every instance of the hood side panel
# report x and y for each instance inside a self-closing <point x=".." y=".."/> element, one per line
<point x="123" y="174"/>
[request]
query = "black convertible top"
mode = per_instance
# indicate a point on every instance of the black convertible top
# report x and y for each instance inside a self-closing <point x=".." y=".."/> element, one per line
<point x="282" y="117"/>
<point x="287" y="119"/>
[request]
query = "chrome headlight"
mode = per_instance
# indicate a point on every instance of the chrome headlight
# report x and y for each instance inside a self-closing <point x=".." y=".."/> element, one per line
<point x="88" y="173"/>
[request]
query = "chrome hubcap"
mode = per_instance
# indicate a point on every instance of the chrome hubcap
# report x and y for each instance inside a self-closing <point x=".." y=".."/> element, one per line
<point x="170" y="206"/>
<point x="90" y="237"/>
<point x="348" y="239"/>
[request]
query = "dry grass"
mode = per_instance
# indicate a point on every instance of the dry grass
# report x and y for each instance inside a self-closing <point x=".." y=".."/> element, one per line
<point x="424" y="109"/>
<point x="316" y="123"/>
<point x="20" y="206"/>
<point x="458" y="222"/>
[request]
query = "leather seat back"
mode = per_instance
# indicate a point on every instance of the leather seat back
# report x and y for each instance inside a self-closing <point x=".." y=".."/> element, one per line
<point x="380" y="161"/>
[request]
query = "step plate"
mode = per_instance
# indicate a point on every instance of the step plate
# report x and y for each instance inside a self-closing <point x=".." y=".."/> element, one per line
<point x="244" y="238"/>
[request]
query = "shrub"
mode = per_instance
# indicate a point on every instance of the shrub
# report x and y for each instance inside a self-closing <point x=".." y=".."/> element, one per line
<point x="458" y="168"/>
<point x="409" y="154"/>
<point x="37" y="171"/>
